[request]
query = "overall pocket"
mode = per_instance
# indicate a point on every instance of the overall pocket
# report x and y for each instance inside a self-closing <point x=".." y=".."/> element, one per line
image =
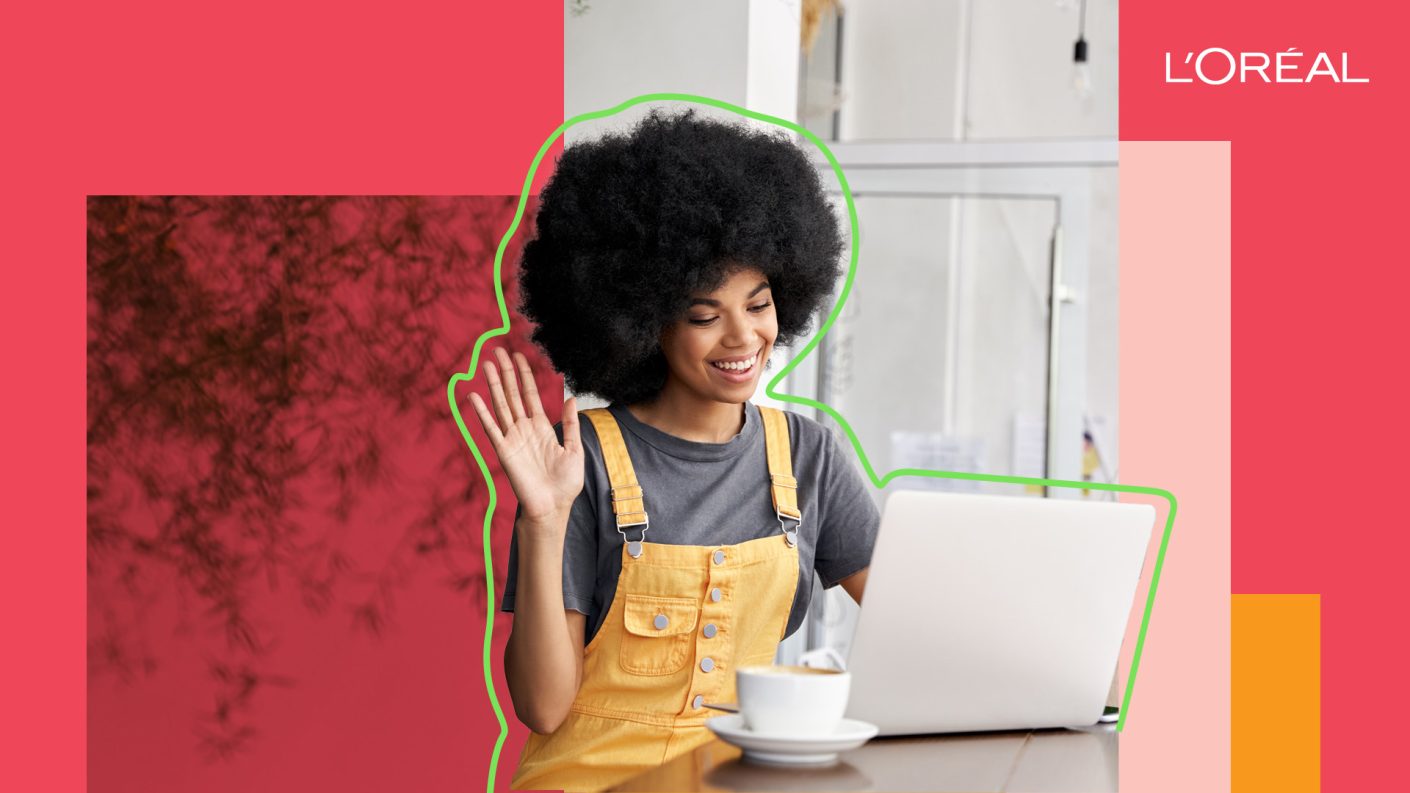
<point x="659" y="633"/>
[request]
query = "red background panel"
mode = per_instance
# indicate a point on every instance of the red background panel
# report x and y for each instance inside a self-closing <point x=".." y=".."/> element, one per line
<point x="261" y="98"/>
<point x="1319" y="282"/>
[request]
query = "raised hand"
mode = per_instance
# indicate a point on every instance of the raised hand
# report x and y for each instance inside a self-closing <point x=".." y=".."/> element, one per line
<point x="546" y="475"/>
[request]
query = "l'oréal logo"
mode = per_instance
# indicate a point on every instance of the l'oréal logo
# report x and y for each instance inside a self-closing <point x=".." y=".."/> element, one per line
<point x="1217" y="66"/>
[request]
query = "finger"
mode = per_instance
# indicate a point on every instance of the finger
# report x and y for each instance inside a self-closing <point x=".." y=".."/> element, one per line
<point x="511" y="383"/>
<point x="572" y="438"/>
<point x="501" y="408"/>
<point x="486" y="420"/>
<point x="533" y="403"/>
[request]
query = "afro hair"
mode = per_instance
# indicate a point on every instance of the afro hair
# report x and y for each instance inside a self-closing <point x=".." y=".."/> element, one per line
<point x="632" y="226"/>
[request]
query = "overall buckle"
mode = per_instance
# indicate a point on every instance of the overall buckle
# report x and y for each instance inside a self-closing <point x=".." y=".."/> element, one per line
<point x="627" y="520"/>
<point x="790" y="535"/>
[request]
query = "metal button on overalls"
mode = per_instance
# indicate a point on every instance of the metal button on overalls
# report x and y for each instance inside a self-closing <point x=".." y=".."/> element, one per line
<point x="640" y="660"/>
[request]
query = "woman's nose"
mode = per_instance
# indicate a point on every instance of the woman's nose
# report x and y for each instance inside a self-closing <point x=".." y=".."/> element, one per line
<point x="739" y="332"/>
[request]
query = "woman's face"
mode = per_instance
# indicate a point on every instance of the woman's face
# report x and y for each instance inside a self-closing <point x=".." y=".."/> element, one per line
<point x="718" y="350"/>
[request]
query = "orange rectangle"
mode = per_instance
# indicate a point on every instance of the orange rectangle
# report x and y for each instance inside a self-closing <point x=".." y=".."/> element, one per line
<point x="1277" y="693"/>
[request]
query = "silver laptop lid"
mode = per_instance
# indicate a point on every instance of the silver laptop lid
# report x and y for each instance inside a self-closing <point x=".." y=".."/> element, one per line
<point x="992" y="613"/>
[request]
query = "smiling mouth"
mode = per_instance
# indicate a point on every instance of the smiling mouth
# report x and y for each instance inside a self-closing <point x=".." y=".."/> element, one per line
<point x="737" y="367"/>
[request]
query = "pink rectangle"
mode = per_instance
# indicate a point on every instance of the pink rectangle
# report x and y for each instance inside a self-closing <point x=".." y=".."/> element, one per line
<point x="1175" y="434"/>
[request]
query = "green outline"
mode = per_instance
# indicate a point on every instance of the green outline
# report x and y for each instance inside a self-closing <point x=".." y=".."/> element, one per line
<point x="879" y="482"/>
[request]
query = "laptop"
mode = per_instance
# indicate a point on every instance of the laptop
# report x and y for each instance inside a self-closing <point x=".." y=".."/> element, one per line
<point x="994" y="613"/>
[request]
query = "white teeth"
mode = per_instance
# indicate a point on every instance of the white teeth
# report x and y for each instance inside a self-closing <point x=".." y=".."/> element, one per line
<point x="737" y="366"/>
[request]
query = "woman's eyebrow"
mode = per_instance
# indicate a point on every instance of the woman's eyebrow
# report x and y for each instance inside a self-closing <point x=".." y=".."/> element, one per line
<point x="705" y="301"/>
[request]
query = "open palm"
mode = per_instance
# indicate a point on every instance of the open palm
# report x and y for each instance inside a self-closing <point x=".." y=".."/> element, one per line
<point x="546" y="475"/>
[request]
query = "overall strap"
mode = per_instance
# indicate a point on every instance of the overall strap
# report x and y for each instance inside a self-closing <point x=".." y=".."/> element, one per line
<point x="782" y="485"/>
<point x="628" y="502"/>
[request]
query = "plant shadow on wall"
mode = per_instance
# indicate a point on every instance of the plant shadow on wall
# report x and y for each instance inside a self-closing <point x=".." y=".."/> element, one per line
<point x="265" y="376"/>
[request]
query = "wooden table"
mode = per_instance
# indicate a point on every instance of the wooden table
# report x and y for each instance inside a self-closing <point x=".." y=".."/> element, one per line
<point x="1038" y="761"/>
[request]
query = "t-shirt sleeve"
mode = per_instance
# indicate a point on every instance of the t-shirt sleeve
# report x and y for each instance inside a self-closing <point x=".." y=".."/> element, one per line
<point x="579" y="547"/>
<point x="849" y="517"/>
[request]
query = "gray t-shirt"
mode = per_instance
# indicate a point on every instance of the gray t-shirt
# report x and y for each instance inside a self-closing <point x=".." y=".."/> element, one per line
<point x="714" y="494"/>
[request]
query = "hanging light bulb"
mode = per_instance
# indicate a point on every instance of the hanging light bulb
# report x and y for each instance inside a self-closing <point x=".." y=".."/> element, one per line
<point x="1081" y="69"/>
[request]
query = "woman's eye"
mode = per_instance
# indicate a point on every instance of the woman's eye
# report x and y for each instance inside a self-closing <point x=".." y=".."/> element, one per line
<point x="705" y="322"/>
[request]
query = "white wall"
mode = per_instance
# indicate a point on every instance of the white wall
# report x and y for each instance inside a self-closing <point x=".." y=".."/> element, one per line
<point x="900" y="69"/>
<point x="771" y="79"/>
<point x="977" y="70"/>
<point x="740" y="51"/>
<point x="1020" y="70"/>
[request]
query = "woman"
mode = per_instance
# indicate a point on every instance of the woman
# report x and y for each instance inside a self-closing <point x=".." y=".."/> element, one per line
<point x="673" y="538"/>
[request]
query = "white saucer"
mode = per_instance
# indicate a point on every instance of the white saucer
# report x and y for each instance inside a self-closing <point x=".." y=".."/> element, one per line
<point x="792" y="749"/>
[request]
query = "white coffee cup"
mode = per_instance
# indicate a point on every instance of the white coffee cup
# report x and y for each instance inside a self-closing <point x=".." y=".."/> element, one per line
<point x="792" y="700"/>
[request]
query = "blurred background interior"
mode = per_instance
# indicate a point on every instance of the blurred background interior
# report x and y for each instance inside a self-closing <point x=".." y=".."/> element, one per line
<point x="978" y="138"/>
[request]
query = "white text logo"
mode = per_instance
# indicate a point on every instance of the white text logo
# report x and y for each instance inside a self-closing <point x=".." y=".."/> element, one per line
<point x="1217" y="66"/>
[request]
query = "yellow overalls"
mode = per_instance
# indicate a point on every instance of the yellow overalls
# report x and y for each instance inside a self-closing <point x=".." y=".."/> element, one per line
<point x="683" y="619"/>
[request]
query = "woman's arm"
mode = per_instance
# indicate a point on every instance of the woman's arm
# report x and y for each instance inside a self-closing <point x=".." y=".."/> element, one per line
<point x="848" y="517"/>
<point x="543" y="661"/>
<point x="855" y="584"/>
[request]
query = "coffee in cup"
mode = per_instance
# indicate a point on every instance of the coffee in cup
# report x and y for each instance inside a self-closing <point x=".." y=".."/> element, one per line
<point x="792" y="700"/>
